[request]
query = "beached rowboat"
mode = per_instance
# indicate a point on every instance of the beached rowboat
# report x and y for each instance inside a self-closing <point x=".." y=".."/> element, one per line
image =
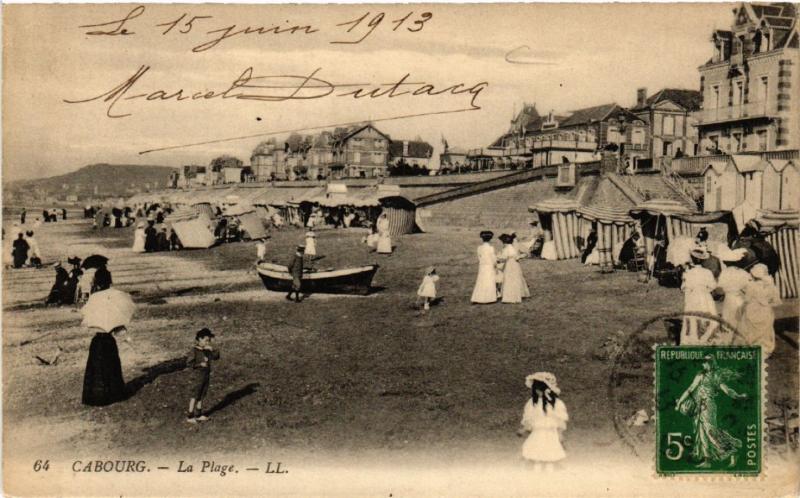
<point x="345" y="281"/>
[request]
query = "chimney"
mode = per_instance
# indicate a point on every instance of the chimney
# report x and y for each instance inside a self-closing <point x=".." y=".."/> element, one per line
<point x="405" y="148"/>
<point x="641" y="97"/>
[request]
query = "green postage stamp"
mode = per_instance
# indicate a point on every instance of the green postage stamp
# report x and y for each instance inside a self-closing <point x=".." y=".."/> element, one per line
<point x="708" y="410"/>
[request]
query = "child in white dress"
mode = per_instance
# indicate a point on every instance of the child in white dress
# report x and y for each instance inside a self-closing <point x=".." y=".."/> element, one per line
<point x="311" y="243"/>
<point x="427" y="290"/>
<point x="545" y="417"/>
<point x="261" y="250"/>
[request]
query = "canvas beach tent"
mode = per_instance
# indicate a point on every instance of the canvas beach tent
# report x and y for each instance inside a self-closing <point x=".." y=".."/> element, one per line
<point x="655" y="221"/>
<point x="614" y="226"/>
<point x="195" y="230"/>
<point x="558" y="216"/>
<point x="783" y="233"/>
<point x="249" y="222"/>
<point x="402" y="215"/>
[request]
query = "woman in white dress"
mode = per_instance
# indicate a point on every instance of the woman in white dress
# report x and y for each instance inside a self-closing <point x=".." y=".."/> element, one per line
<point x="732" y="280"/>
<point x="698" y="282"/>
<point x="485" y="287"/>
<point x="514" y="286"/>
<point x="757" y="325"/>
<point x="549" y="247"/>
<point x="384" y="240"/>
<point x="372" y="238"/>
<point x="138" y="238"/>
<point x="545" y="417"/>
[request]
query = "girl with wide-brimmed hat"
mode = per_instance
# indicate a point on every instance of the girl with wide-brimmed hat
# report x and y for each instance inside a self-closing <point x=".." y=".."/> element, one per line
<point x="698" y="283"/>
<point x="545" y="417"/>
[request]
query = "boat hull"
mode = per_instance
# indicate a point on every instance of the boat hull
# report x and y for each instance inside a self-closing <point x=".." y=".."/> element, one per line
<point x="345" y="281"/>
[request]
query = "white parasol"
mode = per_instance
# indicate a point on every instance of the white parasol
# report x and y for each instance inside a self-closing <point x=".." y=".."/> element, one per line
<point x="679" y="250"/>
<point x="108" y="310"/>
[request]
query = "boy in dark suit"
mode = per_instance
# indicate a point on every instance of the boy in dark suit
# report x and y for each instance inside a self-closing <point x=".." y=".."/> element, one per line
<point x="296" y="270"/>
<point x="199" y="359"/>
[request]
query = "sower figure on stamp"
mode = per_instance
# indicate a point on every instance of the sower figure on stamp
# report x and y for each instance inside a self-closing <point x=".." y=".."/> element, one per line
<point x="711" y="443"/>
<point x="199" y="359"/>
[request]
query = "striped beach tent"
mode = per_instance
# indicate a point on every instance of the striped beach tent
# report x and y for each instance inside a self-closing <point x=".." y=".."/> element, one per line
<point x="205" y="209"/>
<point x="655" y="221"/>
<point x="783" y="235"/>
<point x="558" y="218"/>
<point x="614" y="227"/>
<point x="402" y="215"/>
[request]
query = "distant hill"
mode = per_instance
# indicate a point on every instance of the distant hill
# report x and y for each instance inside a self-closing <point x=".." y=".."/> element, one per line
<point x="100" y="180"/>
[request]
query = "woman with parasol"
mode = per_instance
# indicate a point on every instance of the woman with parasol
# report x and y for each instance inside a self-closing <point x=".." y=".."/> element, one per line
<point x="107" y="313"/>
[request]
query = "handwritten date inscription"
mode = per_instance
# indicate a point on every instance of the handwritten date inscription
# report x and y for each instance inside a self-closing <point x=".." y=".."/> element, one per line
<point x="351" y="31"/>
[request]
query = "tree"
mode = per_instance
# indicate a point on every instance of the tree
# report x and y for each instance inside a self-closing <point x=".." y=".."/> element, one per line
<point x="225" y="161"/>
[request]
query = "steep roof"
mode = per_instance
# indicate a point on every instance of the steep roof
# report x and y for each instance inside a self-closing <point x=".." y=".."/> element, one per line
<point x="527" y="118"/>
<point x="357" y="129"/>
<point x="779" y="22"/>
<point x="783" y="9"/>
<point x="589" y="114"/>
<point x="690" y="100"/>
<point x="415" y="148"/>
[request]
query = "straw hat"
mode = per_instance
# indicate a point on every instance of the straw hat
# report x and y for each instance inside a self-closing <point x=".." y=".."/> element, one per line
<point x="699" y="254"/>
<point x="546" y="377"/>
<point x="759" y="271"/>
<point x="310" y="234"/>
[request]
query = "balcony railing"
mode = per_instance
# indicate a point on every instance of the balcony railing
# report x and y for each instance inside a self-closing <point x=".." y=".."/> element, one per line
<point x="564" y="144"/>
<point x="737" y="112"/>
<point x="486" y="152"/>
<point x="695" y="165"/>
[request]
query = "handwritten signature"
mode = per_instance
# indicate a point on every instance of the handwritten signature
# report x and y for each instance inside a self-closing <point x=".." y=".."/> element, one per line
<point x="361" y="27"/>
<point x="277" y="88"/>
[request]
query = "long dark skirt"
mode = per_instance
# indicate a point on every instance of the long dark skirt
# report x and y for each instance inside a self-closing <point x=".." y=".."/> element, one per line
<point x="102" y="382"/>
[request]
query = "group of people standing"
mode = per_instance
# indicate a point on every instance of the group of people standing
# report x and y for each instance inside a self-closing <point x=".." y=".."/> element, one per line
<point x="499" y="277"/>
<point x="24" y="250"/>
<point x="148" y="238"/>
<point x="379" y="237"/>
<point x="747" y="315"/>
<point x="78" y="284"/>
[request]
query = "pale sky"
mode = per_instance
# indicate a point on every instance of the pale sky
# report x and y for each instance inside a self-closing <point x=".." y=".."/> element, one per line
<point x="584" y="55"/>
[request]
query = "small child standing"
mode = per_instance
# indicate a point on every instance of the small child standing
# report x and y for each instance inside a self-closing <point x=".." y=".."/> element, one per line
<point x="261" y="250"/>
<point x="311" y="243"/>
<point x="427" y="290"/>
<point x="199" y="359"/>
<point x="544" y="416"/>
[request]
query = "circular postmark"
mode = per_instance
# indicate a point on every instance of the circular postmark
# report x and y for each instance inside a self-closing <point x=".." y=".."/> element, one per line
<point x="631" y="390"/>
